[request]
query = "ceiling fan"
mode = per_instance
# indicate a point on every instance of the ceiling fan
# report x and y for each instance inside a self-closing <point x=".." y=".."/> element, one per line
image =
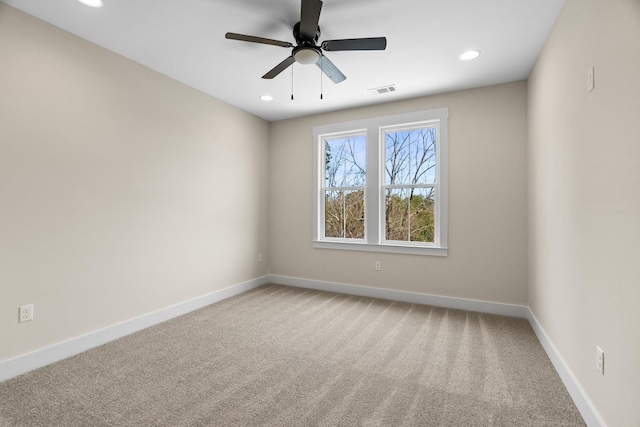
<point x="306" y="33"/>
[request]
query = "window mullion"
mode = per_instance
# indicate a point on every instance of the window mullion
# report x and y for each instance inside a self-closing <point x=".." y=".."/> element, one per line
<point x="372" y="195"/>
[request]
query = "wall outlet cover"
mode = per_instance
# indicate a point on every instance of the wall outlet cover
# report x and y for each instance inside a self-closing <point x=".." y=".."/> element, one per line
<point x="25" y="313"/>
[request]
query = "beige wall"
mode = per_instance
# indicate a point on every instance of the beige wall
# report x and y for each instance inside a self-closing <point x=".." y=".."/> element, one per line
<point x="121" y="190"/>
<point x="487" y="203"/>
<point x="585" y="199"/>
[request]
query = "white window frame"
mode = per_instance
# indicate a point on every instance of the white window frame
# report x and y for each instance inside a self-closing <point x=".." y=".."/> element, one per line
<point x="374" y="189"/>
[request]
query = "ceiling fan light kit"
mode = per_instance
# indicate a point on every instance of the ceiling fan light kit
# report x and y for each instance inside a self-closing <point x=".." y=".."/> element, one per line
<point x="306" y="34"/>
<point x="91" y="3"/>
<point x="306" y="55"/>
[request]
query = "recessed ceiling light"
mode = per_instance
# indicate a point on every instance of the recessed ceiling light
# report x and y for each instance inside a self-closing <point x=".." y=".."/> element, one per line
<point x="266" y="98"/>
<point x="469" y="55"/>
<point x="91" y="3"/>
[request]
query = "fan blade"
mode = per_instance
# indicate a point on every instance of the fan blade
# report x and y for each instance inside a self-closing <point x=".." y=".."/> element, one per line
<point x="330" y="69"/>
<point x="279" y="68"/>
<point x="372" y="43"/>
<point x="309" y="17"/>
<point x="253" y="39"/>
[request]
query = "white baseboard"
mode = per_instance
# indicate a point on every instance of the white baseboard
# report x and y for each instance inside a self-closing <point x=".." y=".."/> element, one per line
<point x="510" y="310"/>
<point x="580" y="398"/>
<point x="27" y="362"/>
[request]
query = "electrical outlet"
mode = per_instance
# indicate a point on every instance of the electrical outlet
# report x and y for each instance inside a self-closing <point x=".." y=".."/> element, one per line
<point x="25" y="313"/>
<point x="259" y="257"/>
<point x="600" y="360"/>
<point x="378" y="266"/>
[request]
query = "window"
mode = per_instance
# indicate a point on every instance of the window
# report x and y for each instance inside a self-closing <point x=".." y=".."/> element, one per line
<point x="381" y="184"/>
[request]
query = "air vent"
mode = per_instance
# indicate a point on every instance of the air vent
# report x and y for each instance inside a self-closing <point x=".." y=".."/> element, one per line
<point x="381" y="90"/>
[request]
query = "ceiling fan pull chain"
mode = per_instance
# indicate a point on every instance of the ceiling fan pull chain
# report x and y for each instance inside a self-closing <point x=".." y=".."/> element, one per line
<point x="321" y="96"/>
<point x="292" y="83"/>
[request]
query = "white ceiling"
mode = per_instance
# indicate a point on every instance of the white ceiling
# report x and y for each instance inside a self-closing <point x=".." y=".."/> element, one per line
<point x="184" y="39"/>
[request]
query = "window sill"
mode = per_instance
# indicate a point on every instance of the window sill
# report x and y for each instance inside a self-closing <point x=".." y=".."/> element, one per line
<point x="395" y="249"/>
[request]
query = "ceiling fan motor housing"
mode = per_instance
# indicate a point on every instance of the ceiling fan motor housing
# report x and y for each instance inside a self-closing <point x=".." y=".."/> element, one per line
<point x="300" y="40"/>
<point x="306" y="52"/>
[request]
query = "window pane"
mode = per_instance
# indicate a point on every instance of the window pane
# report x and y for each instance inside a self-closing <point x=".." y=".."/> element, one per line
<point x="409" y="215"/>
<point x="345" y="161"/>
<point x="344" y="214"/>
<point x="423" y="156"/>
<point x="333" y="214"/>
<point x="421" y="219"/>
<point x="397" y="215"/>
<point x="354" y="214"/>
<point x="396" y="157"/>
<point x="410" y="156"/>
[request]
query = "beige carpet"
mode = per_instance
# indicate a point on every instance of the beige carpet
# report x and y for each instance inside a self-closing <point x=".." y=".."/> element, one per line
<point x="282" y="356"/>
